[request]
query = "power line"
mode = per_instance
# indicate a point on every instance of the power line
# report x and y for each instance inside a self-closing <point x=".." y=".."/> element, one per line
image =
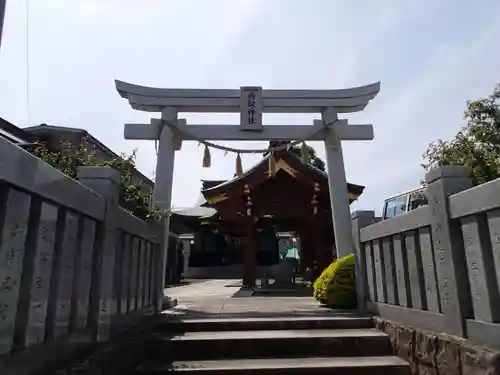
<point x="2" y="18"/>
<point x="27" y="64"/>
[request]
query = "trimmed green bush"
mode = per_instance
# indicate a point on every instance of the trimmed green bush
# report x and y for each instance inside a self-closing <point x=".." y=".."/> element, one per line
<point x="336" y="286"/>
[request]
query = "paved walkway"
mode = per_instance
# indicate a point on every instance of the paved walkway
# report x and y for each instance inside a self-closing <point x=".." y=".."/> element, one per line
<point x="221" y="298"/>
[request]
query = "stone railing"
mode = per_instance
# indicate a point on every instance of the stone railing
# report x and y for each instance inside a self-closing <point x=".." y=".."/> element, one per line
<point x="74" y="266"/>
<point x="436" y="268"/>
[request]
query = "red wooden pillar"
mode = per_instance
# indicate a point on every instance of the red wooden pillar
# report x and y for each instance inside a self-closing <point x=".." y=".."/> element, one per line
<point x="319" y="250"/>
<point x="303" y="246"/>
<point x="249" y="256"/>
<point x="328" y="238"/>
<point x="323" y="244"/>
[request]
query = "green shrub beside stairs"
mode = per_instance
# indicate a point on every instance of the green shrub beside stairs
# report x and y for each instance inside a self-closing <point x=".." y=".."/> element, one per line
<point x="336" y="286"/>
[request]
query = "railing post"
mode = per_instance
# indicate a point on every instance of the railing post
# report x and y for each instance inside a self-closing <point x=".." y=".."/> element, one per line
<point x="103" y="180"/>
<point x="158" y="237"/>
<point x="361" y="219"/>
<point x="186" y="252"/>
<point x="449" y="254"/>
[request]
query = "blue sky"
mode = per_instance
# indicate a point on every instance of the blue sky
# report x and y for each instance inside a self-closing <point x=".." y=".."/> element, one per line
<point x="430" y="55"/>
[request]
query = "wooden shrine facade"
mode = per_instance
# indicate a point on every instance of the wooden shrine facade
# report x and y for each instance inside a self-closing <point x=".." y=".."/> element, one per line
<point x="252" y="208"/>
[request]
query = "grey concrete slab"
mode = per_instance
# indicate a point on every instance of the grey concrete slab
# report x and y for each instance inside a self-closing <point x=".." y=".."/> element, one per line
<point x="429" y="270"/>
<point x="390" y="274"/>
<point x="134" y="275"/>
<point x="283" y="363"/>
<point x="85" y="261"/>
<point x="481" y="265"/>
<point x="378" y="260"/>
<point x="370" y="271"/>
<point x="147" y="276"/>
<point x="214" y="298"/>
<point x="493" y="218"/>
<point x="66" y="275"/>
<point x="126" y="272"/>
<point x="240" y="322"/>
<point x="271" y="334"/>
<point x="415" y="271"/>
<point x="42" y="270"/>
<point x="12" y="252"/>
<point x="141" y="263"/>
<point x="274" y="319"/>
<point x="401" y="264"/>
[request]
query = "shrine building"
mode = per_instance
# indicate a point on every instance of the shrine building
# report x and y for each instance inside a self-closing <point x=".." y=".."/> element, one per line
<point x="237" y="224"/>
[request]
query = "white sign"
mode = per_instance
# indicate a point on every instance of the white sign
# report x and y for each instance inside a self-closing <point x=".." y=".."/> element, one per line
<point x="251" y="108"/>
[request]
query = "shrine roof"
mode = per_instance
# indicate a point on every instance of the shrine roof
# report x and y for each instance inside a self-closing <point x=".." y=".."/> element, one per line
<point x="207" y="184"/>
<point x="197" y="211"/>
<point x="312" y="174"/>
<point x="214" y="187"/>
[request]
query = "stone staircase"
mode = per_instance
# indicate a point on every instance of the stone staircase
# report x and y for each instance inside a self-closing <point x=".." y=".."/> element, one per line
<point x="315" y="345"/>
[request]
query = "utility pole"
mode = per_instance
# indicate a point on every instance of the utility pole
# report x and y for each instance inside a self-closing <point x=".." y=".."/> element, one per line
<point x="2" y="17"/>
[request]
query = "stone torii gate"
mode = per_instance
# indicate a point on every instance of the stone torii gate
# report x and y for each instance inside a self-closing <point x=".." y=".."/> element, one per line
<point x="251" y="102"/>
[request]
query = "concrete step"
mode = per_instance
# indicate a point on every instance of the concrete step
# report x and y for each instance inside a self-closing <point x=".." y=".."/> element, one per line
<point x="269" y="323"/>
<point x="269" y="344"/>
<point x="294" y="366"/>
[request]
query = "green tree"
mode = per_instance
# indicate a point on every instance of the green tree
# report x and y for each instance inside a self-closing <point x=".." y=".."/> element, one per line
<point x="314" y="159"/>
<point x="131" y="196"/>
<point x="476" y="145"/>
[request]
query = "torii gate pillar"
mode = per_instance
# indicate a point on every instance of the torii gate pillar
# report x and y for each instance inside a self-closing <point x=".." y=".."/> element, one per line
<point x="162" y="192"/>
<point x="337" y="183"/>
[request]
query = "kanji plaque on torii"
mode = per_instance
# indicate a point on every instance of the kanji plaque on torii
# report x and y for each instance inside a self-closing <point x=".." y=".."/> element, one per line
<point x="251" y="103"/>
<point x="251" y="108"/>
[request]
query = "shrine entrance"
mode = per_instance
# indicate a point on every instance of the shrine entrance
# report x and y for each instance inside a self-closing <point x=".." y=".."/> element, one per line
<point x="284" y="196"/>
<point x="251" y="102"/>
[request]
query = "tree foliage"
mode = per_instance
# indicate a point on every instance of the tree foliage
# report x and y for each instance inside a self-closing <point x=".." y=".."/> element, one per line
<point x="314" y="159"/>
<point x="476" y="145"/>
<point x="69" y="158"/>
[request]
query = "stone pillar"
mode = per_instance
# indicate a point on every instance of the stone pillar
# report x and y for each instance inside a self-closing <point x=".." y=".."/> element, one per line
<point x="361" y="219"/>
<point x="322" y="259"/>
<point x="281" y="246"/>
<point x="337" y="183"/>
<point x="298" y="245"/>
<point x="249" y="257"/>
<point x="172" y="273"/>
<point x="449" y="253"/>
<point x="306" y="249"/>
<point x="162" y="193"/>
<point x="103" y="302"/>
<point x="186" y="252"/>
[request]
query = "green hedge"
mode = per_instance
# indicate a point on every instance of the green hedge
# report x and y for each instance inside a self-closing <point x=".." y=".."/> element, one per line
<point x="336" y="286"/>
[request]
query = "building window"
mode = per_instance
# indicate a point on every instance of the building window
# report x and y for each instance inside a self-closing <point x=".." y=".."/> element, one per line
<point x="418" y="199"/>
<point x="395" y="207"/>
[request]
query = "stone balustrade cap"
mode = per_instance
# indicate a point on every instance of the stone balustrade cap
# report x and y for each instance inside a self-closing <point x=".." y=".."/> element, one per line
<point x="186" y="236"/>
<point x="447" y="171"/>
<point x="362" y="213"/>
<point x="105" y="172"/>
